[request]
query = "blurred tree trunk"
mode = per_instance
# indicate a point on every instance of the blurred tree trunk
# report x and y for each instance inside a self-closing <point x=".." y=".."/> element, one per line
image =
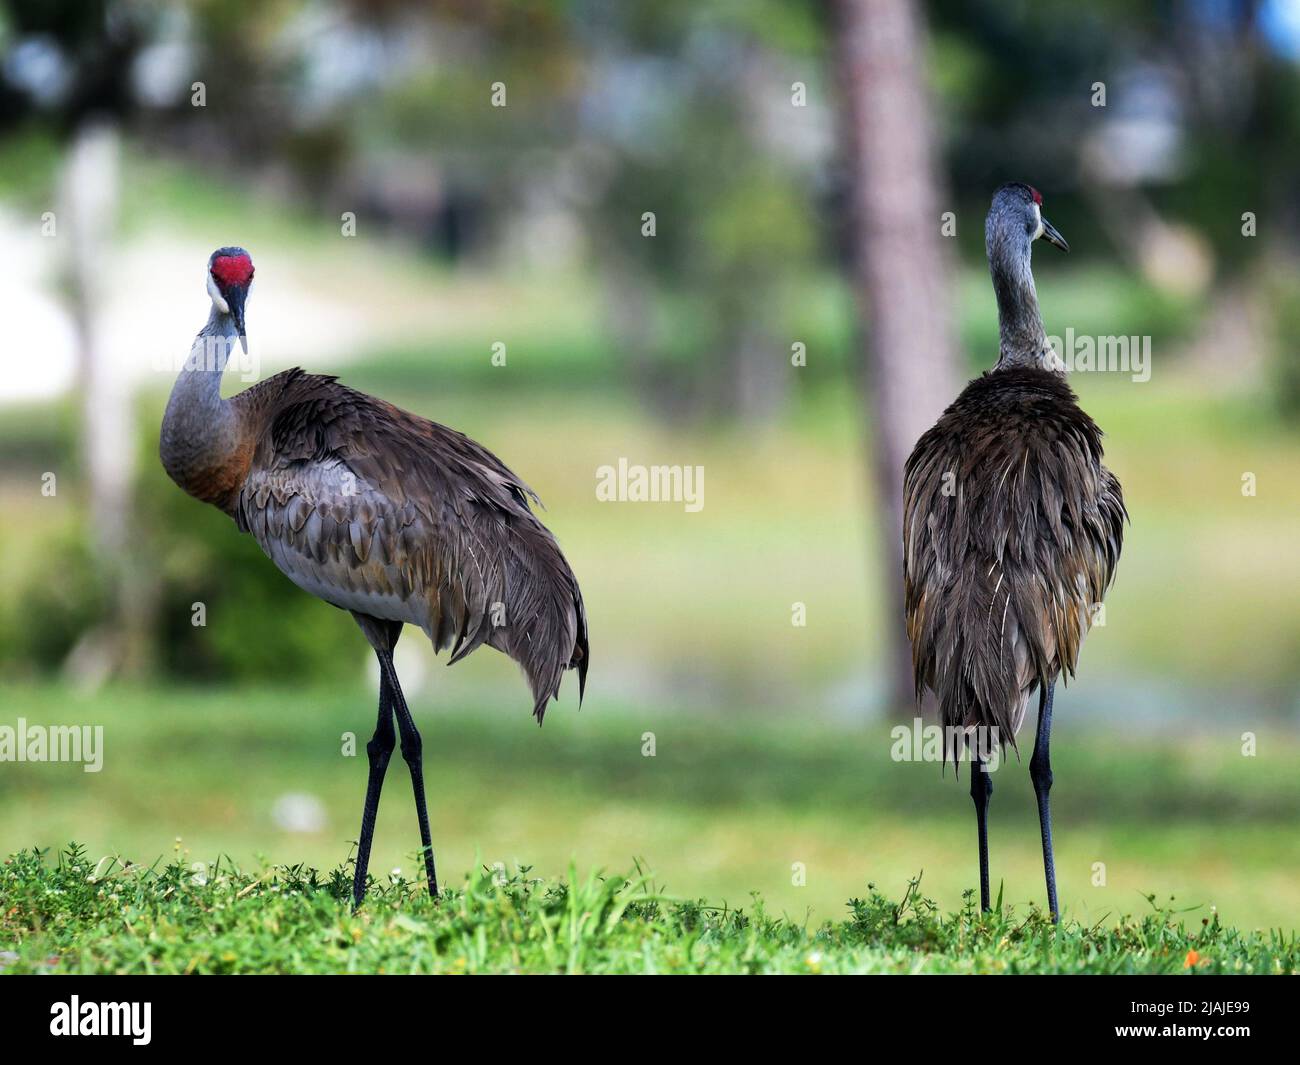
<point x="90" y="195"/>
<point x="89" y="192"/>
<point x="902" y="269"/>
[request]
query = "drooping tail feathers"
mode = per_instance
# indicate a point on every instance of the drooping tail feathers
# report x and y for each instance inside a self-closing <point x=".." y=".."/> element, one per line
<point x="532" y="611"/>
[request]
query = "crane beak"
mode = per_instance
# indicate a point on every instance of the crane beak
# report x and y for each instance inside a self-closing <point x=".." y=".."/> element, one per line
<point x="1052" y="236"/>
<point x="235" y="297"/>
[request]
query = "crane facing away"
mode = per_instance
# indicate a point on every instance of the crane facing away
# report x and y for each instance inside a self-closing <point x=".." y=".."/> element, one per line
<point x="384" y="514"/>
<point x="1012" y="529"/>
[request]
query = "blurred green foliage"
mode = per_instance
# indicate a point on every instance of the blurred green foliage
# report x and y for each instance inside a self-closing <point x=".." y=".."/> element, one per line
<point x="187" y="555"/>
<point x="1284" y="295"/>
<point x="52" y="606"/>
<point x="281" y="633"/>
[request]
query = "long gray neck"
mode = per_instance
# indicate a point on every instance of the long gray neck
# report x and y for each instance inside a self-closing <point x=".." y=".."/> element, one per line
<point x="199" y="429"/>
<point x="1022" y="340"/>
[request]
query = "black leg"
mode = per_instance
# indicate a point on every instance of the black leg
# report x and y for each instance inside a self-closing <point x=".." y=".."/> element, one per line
<point x="378" y="750"/>
<point x="981" y="787"/>
<point x="412" y="748"/>
<point x="1040" y="771"/>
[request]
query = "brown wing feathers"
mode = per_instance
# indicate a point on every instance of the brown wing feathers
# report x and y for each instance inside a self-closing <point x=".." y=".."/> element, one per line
<point x="390" y="515"/>
<point x="1012" y="529"/>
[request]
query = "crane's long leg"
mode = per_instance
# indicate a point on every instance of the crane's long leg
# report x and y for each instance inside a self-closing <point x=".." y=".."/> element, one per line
<point x="981" y="788"/>
<point x="1040" y="771"/>
<point x="378" y="750"/>
<point x="412" y="752"/>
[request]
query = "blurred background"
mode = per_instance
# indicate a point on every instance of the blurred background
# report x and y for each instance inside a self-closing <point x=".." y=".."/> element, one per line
<point x="812" y="294"/>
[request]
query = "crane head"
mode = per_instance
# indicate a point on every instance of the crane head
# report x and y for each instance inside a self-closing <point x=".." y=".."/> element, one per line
<point x="230" y="276"/>
<point x="1018" y="204"/>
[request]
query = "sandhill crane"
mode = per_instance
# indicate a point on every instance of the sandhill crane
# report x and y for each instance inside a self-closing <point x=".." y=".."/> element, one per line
<point x="1011" y="532"/>
<point x="384" y="514"/>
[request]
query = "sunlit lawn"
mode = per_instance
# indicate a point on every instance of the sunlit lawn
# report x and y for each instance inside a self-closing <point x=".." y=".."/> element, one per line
<point x="727" y="805"/>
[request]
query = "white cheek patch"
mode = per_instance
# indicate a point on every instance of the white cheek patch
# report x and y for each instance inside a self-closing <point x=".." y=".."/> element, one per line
<point x="1038" y="213"/>
<point x="219" y="301"/>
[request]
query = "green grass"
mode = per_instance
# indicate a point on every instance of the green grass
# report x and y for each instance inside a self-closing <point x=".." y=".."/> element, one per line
<point x="804" y="811"/>
<point x="75" y="915"/>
